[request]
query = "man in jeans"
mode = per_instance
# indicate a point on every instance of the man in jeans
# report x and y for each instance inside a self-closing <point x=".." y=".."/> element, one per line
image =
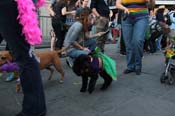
<point x="34" y="99"/>
<point x="101" y="10"/>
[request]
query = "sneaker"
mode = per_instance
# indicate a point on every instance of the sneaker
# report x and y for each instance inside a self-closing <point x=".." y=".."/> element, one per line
<point x="123" y="53"/>
<point x="127" y="71"/>
<point x="10" y="77"/>
<point x="69" y="62"/>
<point x="61" y="81"/>
<point x="18" y="79"/>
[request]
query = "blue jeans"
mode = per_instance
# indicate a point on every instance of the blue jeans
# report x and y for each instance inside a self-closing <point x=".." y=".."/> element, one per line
<point x="34" y="99"/>
<point x="133" y="34"/>
<point x="158" y="43"/>
<point x="74" y="52"/>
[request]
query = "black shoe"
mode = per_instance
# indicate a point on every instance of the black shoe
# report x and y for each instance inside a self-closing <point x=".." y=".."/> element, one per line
<point x="20" y="114"/>
<point x="138" y="72"/>
<point x="127" y="71"/>
<point x="123" y="53"/>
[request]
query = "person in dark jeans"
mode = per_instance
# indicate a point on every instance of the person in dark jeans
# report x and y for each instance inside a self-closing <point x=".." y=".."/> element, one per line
<point x="34" y="99"/>
<point x="122" y="44"/>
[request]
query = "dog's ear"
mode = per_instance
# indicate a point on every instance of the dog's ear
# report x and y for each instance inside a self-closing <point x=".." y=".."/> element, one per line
<point x="3" y="57"/>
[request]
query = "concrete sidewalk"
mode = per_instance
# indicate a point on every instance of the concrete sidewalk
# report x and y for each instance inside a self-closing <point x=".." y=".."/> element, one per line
<point x="131" y="95"/>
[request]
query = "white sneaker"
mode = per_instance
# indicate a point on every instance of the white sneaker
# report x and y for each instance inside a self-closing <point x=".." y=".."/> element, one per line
<point x="69" y="62"/>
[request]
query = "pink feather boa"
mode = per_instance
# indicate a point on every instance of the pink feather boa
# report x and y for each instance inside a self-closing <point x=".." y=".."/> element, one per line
<point x="28" y="19"/>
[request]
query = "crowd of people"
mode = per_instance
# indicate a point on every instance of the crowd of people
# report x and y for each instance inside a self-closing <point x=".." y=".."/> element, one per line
<point x="89" y="28"/>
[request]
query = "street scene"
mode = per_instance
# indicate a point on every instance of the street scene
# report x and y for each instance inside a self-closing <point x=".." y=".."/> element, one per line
<point x="130" y="95"/>
<point x="139" y="37"/>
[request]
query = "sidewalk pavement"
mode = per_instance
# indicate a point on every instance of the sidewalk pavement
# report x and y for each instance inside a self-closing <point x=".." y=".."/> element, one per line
<point x="130" y="95"/>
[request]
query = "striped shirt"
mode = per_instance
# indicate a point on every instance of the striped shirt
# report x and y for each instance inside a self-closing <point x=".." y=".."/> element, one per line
<point x="136" y="8"/>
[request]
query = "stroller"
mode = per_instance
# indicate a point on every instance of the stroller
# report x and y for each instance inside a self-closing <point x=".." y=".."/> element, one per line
<point x="168" y="76"/>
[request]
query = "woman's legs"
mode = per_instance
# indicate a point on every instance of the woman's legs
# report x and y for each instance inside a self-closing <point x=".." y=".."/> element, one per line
<point x="133" y="33"/>
<point x="60" y="34"/>
<point x="138" y="40"/>
<point x="127" y="31"/>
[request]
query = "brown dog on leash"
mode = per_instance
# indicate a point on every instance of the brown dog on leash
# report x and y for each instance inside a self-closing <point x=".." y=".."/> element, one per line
<point x="46" y="60"/>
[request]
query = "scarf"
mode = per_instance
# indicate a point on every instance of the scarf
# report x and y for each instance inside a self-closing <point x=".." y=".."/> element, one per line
<point x="28" y="19"/>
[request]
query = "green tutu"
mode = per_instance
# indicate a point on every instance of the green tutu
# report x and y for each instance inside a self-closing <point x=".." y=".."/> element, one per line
<point x="108" y="64"/>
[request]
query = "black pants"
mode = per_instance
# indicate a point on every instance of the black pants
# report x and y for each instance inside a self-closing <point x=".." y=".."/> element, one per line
<point x="34" y="100"/>
<point x="122" y="44"/>
<point x="59" y="32"/>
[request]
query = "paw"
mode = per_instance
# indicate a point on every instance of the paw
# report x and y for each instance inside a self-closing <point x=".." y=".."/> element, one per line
<point x="83" y="90"/>
<point x="104" y="87"/>
<point x="90" y="90"/>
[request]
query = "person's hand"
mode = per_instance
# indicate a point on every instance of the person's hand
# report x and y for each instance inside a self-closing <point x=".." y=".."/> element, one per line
<point x="73" y="12"/>
<point x="126" y="11"/>
<point x="86" y="49"/>
<point x="100" y="33"/>
<point x="52" y="14"/>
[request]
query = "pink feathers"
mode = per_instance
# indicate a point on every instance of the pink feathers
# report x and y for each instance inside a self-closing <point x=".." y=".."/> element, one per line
<point x="28" y="19"/>
<point x="40" y="3"/>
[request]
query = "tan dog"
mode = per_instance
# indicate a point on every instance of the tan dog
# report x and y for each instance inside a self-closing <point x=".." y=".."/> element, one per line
<point x="46" y="58"/>
<point x="5" y="57"/>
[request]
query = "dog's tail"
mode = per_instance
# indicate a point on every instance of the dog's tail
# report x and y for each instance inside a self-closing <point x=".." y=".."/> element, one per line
<point x="59" y="51"/>
<point x="62" y="50"/>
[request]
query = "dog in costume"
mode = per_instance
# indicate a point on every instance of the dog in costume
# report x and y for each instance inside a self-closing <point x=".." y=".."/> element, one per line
<point x="92" y="65"/>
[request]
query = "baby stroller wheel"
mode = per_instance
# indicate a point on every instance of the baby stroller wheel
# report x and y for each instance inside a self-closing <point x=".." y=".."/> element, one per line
<point x="163" y="78"/>
<point x="170" y="81"/>
<point x="171" y="78"/>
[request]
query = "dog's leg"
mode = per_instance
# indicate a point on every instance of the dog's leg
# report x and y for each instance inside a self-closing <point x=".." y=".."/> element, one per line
<point x="18" y="87"/>
<point x="51" y="72"/>
<point x="58" y="67"/>
<point x="84" y="83"/>
<point x="92" y="83"/>
<point x="107" y="80"/>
